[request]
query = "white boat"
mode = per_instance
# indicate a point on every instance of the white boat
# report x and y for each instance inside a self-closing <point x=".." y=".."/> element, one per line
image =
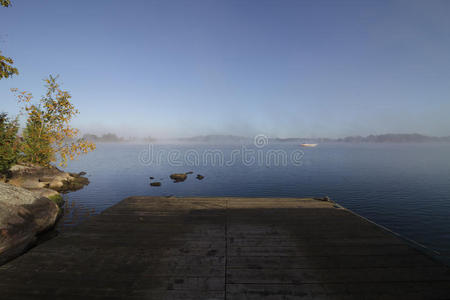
<point x="308" y="145"/>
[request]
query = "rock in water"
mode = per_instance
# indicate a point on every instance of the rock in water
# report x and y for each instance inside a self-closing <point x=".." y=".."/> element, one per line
<point x="72" y="184"/>
<point x="22" y="216"/>
<point x="156" y="183"/>
<point x="200" y="177"/>
<point x="178" y="177"/>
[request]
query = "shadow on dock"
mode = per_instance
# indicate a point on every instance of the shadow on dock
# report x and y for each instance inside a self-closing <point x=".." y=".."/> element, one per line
<point x="225" y="248"/>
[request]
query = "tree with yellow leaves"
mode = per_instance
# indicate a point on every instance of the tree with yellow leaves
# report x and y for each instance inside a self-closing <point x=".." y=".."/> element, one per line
<point x="6" y="68"/>
<point x="5" y="3"/>
<point x="48" y="136"/>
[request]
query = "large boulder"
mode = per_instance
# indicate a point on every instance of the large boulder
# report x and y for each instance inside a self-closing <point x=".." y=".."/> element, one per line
<point x="43" y="192"/>
<point x="23" y="215"/>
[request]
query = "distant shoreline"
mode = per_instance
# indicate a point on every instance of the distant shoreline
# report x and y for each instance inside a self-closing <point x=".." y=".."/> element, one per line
<point x="226" y="139"/>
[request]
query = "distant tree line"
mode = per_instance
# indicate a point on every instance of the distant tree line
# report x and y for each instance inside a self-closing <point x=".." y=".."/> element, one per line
<point x="382" y="138"/>
<point x="394" y="138"/>
<point x="113" y="138"/>
<point x="106" y="138"/>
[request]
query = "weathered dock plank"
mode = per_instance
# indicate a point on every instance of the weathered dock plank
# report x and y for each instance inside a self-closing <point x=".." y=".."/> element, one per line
<point x="225" y="248"/>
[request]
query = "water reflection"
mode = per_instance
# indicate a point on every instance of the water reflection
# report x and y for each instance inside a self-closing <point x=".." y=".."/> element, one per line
<point x="74" y="212"/>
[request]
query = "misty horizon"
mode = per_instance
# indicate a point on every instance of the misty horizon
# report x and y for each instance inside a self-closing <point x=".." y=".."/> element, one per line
<point x="178" y="69"/>
<point x="110" y="136"/>
<point x="142" y="134"/>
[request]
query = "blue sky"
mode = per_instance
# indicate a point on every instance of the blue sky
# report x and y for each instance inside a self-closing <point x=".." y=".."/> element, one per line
<point x="281" y="68"/>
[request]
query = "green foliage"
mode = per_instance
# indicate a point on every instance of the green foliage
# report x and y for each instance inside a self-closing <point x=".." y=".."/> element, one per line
<point x="5" y="3"/>
<point x="9" y="143"/>
<point x="36" y="147"/>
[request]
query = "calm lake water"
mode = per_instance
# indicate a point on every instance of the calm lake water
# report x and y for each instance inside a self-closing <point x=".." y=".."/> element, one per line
<point x="405" y="187"/>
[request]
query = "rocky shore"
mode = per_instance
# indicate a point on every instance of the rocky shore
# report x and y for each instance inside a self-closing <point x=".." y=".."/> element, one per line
<point x="29" y="204"/>
<point x="45" y="181"/>
<point x="23" y="215"/>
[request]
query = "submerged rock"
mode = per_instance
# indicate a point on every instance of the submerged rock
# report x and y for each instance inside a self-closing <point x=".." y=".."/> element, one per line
<point x="178" y="177"/>
<point x="23" y="215"/>
<point x="156" y="183"/>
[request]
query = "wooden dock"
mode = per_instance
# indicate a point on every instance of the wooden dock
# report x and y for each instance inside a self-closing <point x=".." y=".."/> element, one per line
<point x="225" y="248"/>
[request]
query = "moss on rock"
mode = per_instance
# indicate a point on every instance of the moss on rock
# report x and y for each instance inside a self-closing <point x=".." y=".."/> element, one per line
<point x="58" y="199"/>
